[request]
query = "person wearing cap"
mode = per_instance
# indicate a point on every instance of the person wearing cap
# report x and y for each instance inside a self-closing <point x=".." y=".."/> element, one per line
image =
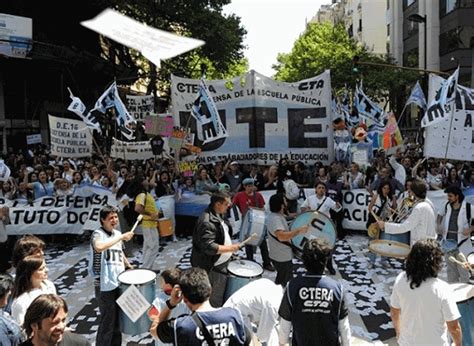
<point x="234" y="176"/>
<point x="250" y="198"/>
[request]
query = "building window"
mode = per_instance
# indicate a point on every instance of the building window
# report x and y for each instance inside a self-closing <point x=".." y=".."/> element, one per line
<point x="458" y="38"/>
<point x="388" y="30"/>
<point x="407" y="3"/>
<point x="450" y="5"/>
<point x="360" y="25"/>
<point x="388" y="4"/>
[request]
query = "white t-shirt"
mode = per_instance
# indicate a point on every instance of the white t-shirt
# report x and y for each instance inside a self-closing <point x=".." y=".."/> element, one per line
<point x="21" y="303"/>
<point x="424" y="311"/>
<point x="227" y="241"/>
<point x="259" y="301"/>
<point x="313" y="203"/>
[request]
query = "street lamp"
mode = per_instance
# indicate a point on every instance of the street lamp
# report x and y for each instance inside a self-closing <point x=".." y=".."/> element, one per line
<point x="416" y="18"/>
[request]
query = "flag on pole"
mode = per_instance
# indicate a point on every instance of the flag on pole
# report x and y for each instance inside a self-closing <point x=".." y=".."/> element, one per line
<point x="417" y="97"/>
<point x="204" y="110"/>
<point x="4" y="171"/>
<point x="111" y="98"/>
<point x="443" y="104"/>
<point x="367" y="108"/>
<point x="79" y="108"/>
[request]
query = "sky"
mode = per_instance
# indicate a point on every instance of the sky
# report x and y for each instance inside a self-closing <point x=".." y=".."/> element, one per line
<point x="272" y="27"/>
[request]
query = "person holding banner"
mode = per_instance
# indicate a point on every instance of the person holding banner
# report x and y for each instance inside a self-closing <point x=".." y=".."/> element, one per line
<point x="106" y="263"/>
<point x="422" y="220"/>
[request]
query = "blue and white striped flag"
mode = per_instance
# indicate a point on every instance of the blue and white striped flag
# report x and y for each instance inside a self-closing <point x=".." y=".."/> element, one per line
<point x="204" y="110"/>
<point x="417" y="97"/>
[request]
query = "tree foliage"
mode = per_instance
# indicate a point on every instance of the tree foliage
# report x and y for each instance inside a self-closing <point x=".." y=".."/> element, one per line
<point x="324" y="46"/>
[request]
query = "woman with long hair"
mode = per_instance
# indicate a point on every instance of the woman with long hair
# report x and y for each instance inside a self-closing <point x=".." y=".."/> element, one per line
<point x="204" y="184"/>
<point x="453" y="179"/>
<point x="31" y="281"/>
<point x="163" y="187"/>
<point x="42" y="187"/>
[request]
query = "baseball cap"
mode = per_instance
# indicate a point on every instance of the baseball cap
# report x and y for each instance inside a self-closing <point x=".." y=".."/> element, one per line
<point x="248" y="181"/>
<point x="234" y="163"/>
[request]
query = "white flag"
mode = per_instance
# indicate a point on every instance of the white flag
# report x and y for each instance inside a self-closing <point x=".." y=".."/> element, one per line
<point x="4" y="171"/>
<point x="79" y="108"/>
<point x="443" y="104"/>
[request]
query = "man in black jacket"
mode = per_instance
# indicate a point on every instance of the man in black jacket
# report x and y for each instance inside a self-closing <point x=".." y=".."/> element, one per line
<point x="212" y="245"/>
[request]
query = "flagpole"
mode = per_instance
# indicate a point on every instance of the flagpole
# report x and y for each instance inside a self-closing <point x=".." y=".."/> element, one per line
<point x="401" y="114"/>
<point x="97" y="146"/>
<point x="453" y="106"/>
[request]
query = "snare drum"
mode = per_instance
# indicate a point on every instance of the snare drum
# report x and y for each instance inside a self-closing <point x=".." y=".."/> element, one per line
<point x="144" y="281"/>
<point x="320" y="226"/>
<point x="403" y="238"/>
<point x="254" y="222"/>
<point x="240" y="273"/>
<point x="464" y="296"/>
<point x="389" y="248"/>
<point x="165" y="227"/>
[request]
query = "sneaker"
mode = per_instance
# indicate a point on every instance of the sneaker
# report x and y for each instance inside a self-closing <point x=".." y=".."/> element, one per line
<point x="269" y="267"/>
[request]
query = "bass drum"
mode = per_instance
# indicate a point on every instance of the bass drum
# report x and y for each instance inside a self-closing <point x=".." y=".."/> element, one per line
<point x="240" y="273"/>
<point x="254" y="222"/>
<point x="320" y="226"/>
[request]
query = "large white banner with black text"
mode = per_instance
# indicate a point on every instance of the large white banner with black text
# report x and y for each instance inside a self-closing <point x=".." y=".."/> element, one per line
<point x="265" y="119"/>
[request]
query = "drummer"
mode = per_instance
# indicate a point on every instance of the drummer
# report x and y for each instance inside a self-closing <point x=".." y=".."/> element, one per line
<point x="250" y="198"/>
<point x="212" y="245"/>
<point x="106" y="263"/>
<point x="422" y="220"/>
<point x="323" y="204"/>
<point x="279" y="236"/>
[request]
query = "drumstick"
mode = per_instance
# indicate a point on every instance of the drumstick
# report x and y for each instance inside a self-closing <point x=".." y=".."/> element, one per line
<point x="459" y="263"/>
<point x="253" y="236"/>
<point x="139" y="218"/>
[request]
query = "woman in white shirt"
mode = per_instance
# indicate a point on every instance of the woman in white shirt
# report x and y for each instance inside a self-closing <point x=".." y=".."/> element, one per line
<point x="31" y="281"/>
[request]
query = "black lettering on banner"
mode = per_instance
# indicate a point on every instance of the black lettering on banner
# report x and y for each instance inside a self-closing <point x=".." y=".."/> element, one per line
<point x="71" y="217"/>
<point x="53" y="216"/>
<point x="348" y="197"/>
<point x="48" y="201"/>
<point x="434" y="112"/>
<point x="314" y="84"/>
<point x="256" y="117"/>
<point x="468" y="121"/>
<point x="191" y="123"/>
<point x="315" y="222"/>
<point x="297" y="128"/>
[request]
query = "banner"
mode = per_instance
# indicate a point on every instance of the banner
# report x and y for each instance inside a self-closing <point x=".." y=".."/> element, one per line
<point x="16" y="35"/>
<point x="140" y="106"/>
<point x="69" y="138"/>
<point x="131" y="150"/>
<point x="64" y="214"/>
<point x="265" y="120"/>
<point x="33" y="139"/>
<point x="368" y="109"/>
<point x="452" y="138"/>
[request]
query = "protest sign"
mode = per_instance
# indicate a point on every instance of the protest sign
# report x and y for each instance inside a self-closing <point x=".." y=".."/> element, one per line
<point x="161" y="125"/>
<point x="33" y="139"/>
<point x="140" y="106"/>
<point x="69" y="138"/>
<point x="133" y="303"/>
<point x="265" y="120"/>
<point x="187" y="168"/>
<point x="131" y="150"/>
<point x="452" y="138"/>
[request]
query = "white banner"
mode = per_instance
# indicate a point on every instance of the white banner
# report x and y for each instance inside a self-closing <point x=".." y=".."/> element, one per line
<point x="452" y="138"/>
<point x="266" y="120"/>
<point x="64" y="214"/>
<point x="140" y="106"/>
<point x="33" y="139"/>
<point x="15" y="34"/>
<point x="69" y="138"/>
<point x="131" y="150"/>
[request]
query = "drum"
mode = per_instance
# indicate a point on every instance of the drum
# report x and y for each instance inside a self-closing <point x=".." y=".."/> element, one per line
<point x="403" y="238"/>
<point x="470" y="259"/>
<point x="165" y="227"/>
<point x="389" y="248"/>
<point x="464" y="296"/>
<point x="253" y="222"/>
<point x="320" y="226"/>
<point x="240" y="273"/>
<point x="235" y="220"/>
<point x="144" y="281"/>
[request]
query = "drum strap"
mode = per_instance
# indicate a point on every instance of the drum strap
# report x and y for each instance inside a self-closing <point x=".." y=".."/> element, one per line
<point x="203" y="328"/>
<point x="281" y="242"/>
<point x="319" y="206"/>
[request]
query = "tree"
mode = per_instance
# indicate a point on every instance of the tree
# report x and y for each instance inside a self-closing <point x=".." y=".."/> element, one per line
<point x="324" y="46"/>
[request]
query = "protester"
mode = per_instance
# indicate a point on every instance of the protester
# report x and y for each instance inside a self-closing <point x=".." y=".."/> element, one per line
<point x="204" y="184"/>
<point x="313" y="305"/>
<point x="164" y="186"/>
<point x="280" y="251"/>
<point x="258" y="302"/>
<point x="31" y="281"/>
<point x="107" y="261"/>
<point x="45" y="323"/>
<point x="422" y="220"/>
<point x="223" y="326"/>
<point x="212" y="245"/>
<point x="417" y="292"/>
<point x="455" y="224"/>
<point x="25" y="246"/>
<point x="10" y="331"/>
<point x="234" y="176"/>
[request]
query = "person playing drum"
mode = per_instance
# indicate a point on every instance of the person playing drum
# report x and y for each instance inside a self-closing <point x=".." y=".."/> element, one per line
<point x="324" y="204"/>
<point x="106" y="263"/>
<point x="422" y="220"/>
